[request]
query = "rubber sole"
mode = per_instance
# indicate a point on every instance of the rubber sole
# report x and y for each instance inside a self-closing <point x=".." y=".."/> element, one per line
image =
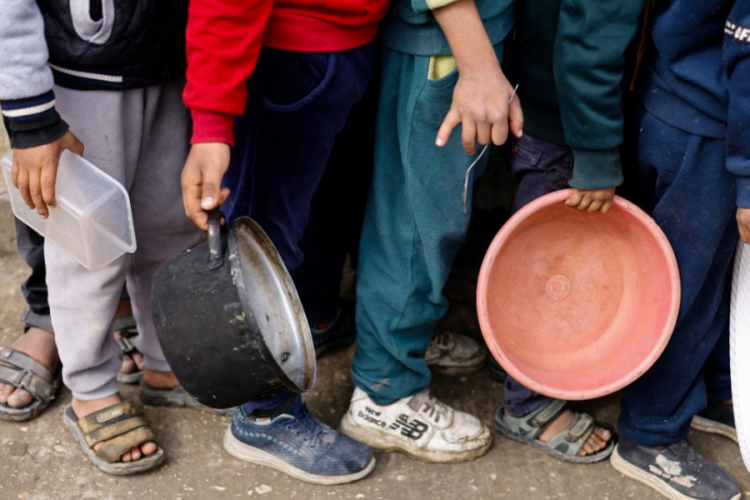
<point x="468" y="369"/>
<point x="503" y="429"/>
<point x="713" y="427"/>
<point x="117" y="468"/>
<point x="383" y="442"/>
<point x="627" y="469"/>
<point x="247" y="453"/>
<point x="180" y="399"/>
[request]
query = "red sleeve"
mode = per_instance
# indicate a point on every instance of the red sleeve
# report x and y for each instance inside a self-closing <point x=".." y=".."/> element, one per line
<point x="224" y="39"/>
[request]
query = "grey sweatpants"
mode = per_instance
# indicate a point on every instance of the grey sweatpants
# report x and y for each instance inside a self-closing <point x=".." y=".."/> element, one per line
<point x="139" y="137"/>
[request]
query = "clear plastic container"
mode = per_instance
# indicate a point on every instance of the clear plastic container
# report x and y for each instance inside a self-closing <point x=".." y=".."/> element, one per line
<point x="92" y="220"/>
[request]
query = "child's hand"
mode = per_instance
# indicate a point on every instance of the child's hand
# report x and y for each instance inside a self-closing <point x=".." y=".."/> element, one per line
<point x="35" y="171"/>
<point x="480" y="105"/>
<point x="201" y="180"/>
<point x="595" y="200"/>
<point x="743" y="224"/>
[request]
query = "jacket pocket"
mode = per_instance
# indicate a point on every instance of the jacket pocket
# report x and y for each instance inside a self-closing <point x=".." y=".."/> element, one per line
<point x="93" y="20"/>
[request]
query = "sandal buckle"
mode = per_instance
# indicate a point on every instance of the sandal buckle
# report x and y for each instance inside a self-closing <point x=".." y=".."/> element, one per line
<point x="126" y="346"/>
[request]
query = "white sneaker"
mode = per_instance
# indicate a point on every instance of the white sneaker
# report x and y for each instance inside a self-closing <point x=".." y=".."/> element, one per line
<point x="454" y="354"/>
<point x="420" y="426"/>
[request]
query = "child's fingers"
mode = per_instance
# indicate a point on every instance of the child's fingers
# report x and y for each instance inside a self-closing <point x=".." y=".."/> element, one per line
<point x="595" y="206"/>
<point x="515" y="117"/>
<point x="452" y="119"/>
<point x="49" y="177"/>
<point x="468" y="136"/>
<point x="499" y="133"/>
<point x="23" y="187"/>
<point x="35" y="190"/>
<point x="223" y="195"/>
<point x="483" y="133"/>
<point x="744" y="233"/>
<point x="73" y="143"/>
<point x="211" y="186"/>
<point x="574" y="199"/>
<point x="607" y="206"/>
<point x="14" y="172"/>
<point x="585" y="202"/>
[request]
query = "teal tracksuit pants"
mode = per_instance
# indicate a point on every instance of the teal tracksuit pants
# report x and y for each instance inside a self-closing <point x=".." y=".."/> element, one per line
<point x="414" y="226"/>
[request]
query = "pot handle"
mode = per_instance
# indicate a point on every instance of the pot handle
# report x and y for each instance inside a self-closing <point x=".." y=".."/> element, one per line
<point x="215" y="251"/>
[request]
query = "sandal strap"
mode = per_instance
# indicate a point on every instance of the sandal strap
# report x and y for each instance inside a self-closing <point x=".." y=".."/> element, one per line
<point x="26" y="373"/>
<point x="534" y="423"/>
<point x="113" y="429"/>
<point x="123" y="324"/>
<point x="120" y="425"/>
<point x="571" y="439"/>
<point x="113" y="449"/>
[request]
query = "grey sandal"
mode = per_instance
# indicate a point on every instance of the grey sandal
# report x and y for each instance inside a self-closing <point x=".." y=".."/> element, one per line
<point x="123" y="429"/>
<point x="24" y="372"/>
<point x="126" y="325"/>
<point x="564" y="445"/>
<point x="175" y="398"/>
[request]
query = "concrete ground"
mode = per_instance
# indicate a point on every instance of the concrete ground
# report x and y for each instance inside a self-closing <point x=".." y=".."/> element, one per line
<point x="39" y="460"/>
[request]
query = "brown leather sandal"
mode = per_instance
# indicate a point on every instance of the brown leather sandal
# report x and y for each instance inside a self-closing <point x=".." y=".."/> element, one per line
<point x="123" y="429"/>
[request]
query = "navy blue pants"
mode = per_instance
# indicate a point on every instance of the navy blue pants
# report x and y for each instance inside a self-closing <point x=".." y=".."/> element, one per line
<point x="337" y="211"/>
<point x="539" y="168"/>
<point x="691" y="196"/>
<point x="297" y="104"/>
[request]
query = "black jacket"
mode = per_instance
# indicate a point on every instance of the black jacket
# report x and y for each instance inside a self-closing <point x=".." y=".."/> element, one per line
<point x="115" y="44"/>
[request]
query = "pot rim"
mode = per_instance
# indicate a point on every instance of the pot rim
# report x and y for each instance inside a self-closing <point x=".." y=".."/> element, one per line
<point x="290" y="292"/>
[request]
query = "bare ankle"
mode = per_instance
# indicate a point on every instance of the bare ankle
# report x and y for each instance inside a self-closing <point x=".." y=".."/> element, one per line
<point x="160" y="380"/>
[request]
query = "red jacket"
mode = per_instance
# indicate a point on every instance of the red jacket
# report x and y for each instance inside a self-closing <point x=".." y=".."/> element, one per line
<point x="224" y="39"/>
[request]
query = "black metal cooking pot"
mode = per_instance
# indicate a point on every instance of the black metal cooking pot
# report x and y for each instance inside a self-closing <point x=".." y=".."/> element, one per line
<point x="230" y="322"/>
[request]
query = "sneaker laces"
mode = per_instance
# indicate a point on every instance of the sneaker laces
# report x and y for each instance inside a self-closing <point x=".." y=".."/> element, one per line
<point x="307" y="424"/>
<point x="429" y="405"/>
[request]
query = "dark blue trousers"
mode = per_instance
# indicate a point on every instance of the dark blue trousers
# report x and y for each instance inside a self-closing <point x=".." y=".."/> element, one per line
<point x="692" y="197"/>
<point x="336" y="213"/>
<point x="297" y="104"/>
<point x="539" y="168"/>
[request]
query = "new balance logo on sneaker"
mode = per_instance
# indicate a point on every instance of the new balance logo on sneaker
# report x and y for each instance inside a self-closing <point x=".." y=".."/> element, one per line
<point x="420" y="426"/>
<point x="413" y="430"/>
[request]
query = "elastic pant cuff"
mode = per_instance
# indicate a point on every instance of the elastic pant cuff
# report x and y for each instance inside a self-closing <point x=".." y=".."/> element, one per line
<point x="109" y="389"/>
<point x="32" y="319"/>
<point x="157" y="365"/>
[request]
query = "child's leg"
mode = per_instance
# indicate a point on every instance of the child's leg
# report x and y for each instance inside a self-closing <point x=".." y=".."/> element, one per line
<point x="38" y="340"/>
<point x="83" y="302"/>
<point x="414" y="226"/>
<point x="718" y="376"/>
<point x="694" y="205"/>
<point x="540" y="168"/>
<point x="162" y="229"/>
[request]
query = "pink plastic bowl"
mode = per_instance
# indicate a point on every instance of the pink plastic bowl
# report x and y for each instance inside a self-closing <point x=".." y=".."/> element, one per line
<point x="577" y="305"/>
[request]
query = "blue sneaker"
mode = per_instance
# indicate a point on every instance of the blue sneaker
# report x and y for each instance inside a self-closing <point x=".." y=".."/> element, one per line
<point x="298" y="445"/>
<point x="339" y="332"/>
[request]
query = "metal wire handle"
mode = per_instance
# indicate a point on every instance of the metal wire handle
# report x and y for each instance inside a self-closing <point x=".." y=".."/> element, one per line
<point x="468" y="170"/>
